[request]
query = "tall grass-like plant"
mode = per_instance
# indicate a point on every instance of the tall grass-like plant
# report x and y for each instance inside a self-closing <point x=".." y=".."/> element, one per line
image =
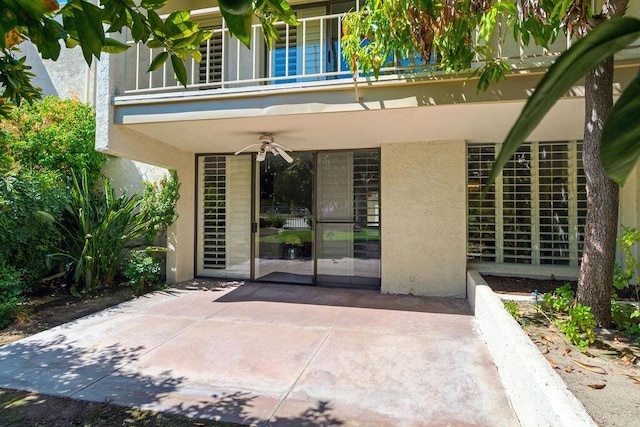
<point x="100" y="231"/>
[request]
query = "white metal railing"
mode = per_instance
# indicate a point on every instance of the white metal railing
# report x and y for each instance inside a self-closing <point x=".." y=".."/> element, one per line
<point x="310" y="52"/>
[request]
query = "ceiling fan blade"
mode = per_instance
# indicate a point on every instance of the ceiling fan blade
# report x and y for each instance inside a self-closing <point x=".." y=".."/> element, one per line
<point x="261" y="156"/>
<point x="246" y="148"/>
<point x="275" y="144"/>
<point x="284" y="154"/>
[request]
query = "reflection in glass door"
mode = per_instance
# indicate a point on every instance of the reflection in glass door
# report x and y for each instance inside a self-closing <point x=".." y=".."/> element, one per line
<point x="348" y="219"/>
<point x="284" y="241"/>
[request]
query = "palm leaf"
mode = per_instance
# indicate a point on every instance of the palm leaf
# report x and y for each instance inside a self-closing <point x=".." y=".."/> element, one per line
<point x="620" y="146"/>
<point x="603" y="41"/>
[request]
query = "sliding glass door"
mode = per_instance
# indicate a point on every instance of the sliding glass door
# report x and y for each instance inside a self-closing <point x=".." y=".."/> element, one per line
<point x="284" y="241"/>
<point x="313" y="221"/>
<point x="348" y="219"/>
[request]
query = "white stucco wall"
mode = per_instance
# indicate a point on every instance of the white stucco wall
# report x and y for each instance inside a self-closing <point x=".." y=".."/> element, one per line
<point x="127" y="176"/>
<point x="68" y="77"/>
<point x="423" y="218"/>
<point x="118" y="141"/>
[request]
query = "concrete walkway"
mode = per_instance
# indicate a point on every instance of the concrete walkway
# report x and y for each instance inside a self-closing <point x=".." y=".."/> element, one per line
<point x="273" y="354"/>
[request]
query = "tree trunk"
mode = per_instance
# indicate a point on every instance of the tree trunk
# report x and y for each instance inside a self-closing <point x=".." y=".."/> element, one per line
<point x="596" y="272"/>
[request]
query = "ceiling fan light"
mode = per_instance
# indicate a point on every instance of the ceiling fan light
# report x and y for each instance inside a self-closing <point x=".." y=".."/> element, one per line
<point x="262" y="154"/>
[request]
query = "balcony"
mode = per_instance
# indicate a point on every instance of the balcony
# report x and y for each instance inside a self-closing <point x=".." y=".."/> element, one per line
<point x="307" y="55"/>
<point x="302" y="91"/>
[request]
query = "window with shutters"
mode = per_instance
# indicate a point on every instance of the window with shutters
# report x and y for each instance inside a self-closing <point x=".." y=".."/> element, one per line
<point x="535" y="212"/>
<point x="214" y="211"/>
<point x="210" y="68"/>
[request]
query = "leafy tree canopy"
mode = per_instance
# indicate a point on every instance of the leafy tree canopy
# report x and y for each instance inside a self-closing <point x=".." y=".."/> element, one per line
<point x="455" y="33"/>
<point x="90" y="26"/>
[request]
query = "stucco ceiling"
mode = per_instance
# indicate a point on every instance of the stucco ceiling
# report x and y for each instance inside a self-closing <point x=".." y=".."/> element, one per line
<point x="320" y="118"/>
<point x="361" y="129"/>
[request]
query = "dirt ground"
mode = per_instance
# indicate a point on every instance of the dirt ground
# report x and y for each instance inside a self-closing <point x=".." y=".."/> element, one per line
<point x="606" y="379"/>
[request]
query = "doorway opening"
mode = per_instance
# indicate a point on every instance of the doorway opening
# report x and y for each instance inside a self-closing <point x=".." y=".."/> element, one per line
<point x="315" y="221"/>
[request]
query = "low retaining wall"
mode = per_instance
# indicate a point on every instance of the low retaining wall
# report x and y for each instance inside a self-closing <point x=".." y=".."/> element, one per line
<point x="538" y="395"/>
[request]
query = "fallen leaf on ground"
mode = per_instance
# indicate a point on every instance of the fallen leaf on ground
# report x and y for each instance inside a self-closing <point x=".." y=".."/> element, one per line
<point x="569" y="369"/>
<point x="545" y="350"/>
<point x="592" y="368"/>
<point x="552" y="362"/>
<point x="566" y="351"/>
<point x="548" y="339"/>
<point x="625" y="360"/>
<point x="635" y="378"/>
<point x="597" y="386"/>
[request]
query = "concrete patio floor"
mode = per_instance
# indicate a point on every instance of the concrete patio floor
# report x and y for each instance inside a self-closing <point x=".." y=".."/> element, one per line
<point x="273" y="354"/>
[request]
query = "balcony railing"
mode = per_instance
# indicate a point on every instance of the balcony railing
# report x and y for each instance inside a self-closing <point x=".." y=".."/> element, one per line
<point x="310" y="52"/>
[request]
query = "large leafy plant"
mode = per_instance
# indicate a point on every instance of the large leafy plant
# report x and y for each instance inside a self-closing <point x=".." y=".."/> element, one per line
<point x="100" y="231"/>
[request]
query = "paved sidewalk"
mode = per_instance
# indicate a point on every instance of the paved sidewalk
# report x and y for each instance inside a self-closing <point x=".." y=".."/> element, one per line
<point x="277" y="354"/>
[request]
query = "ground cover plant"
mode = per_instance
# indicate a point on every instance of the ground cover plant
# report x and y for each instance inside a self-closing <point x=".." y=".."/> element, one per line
<point x="605" y="377"/>
<point x="143" y="270"/>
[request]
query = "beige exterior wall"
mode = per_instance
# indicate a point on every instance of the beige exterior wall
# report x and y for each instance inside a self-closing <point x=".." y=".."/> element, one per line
<point x="423" y="201"/>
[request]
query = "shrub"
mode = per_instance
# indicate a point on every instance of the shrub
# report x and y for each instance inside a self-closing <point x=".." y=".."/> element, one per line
<point x="159" y="203"/>
<point x="512" y="308"/>
<point x="54" y="134"/>
<point x="578" y="327"/>
<point x="11" y="293"/>
<point x="561" y="300"/>
<point x="277" y="221"/>
<point x="575" y="320"/>
<point x="143" y="270"/>
<point x="627" y="317"/>
<point x="27" y="237"/>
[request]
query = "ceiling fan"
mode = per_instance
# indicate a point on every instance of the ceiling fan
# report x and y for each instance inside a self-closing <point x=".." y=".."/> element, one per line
<point x="266" y="144"/>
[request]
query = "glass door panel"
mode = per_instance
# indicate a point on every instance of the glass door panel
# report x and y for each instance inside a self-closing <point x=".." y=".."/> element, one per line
<point x="284" y="241"/>
<point x="348" y="219"/>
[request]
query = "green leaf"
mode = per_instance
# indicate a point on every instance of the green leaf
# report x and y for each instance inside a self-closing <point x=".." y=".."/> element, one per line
<point x="620" y="145"/>
<point x="155" y="44"/>
<point x="157" y="23"/>
<point x="34" y="8"/>
<point x="178" y="17"/>
<point x="118" y="22"/>
<point x="603" y="41"/>
<point x="71" y="43"/>
<point x="153" y="4"/>
<point x="114" y="46"/>
<point x="195" y="54"/>
<point x="45" y="216"/>
<point x="157" y="62"/>
<point x="235" y="7"/>
<point x="90" y="32"/>
<point x="139" y="30"/>
<point x="239" y="26"/>
<point x="179" y="69"/>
